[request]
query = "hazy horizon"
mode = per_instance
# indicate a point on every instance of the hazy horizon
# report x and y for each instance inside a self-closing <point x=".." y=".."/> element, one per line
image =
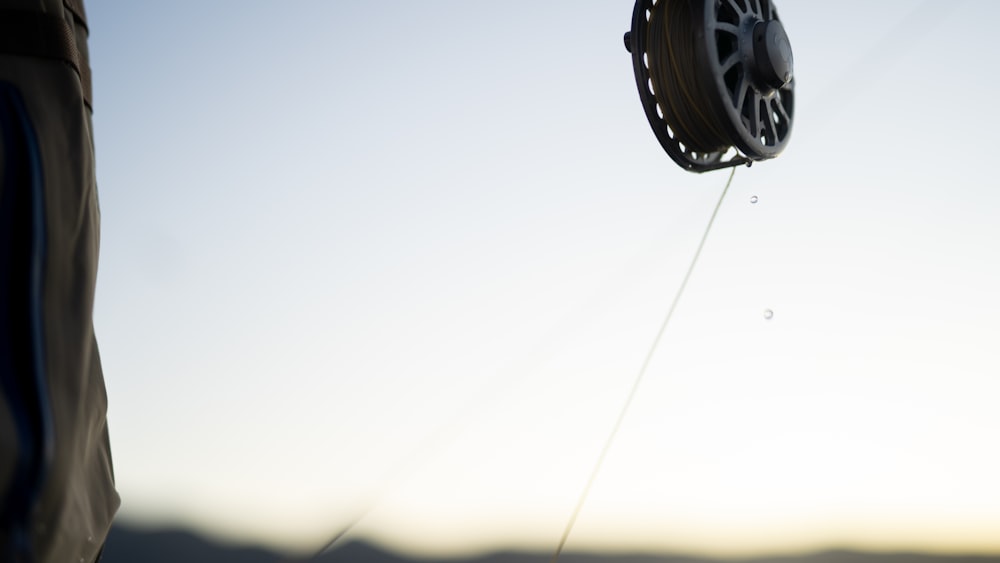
<point x="150" y="535"/>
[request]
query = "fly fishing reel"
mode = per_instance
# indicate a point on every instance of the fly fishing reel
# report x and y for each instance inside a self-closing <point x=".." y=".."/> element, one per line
<point x="713" y="75"/>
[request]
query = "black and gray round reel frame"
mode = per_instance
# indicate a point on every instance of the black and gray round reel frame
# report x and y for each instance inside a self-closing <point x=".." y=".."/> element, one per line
<point x="743" y="60"/>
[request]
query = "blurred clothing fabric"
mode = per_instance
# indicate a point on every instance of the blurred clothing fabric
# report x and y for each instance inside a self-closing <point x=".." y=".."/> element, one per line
<point x="56" y="479"/>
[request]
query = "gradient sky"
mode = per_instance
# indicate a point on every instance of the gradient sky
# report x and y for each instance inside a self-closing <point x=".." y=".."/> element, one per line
<point x="408" y="258"/>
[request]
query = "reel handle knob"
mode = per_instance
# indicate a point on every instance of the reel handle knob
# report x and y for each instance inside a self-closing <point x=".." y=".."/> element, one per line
<point x="772" y="54"/>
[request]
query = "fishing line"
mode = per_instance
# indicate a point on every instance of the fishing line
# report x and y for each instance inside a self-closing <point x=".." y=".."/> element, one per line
<point x="639" y="377"/>
<point x="490" y="395"/>
<point x="508" y="378"/>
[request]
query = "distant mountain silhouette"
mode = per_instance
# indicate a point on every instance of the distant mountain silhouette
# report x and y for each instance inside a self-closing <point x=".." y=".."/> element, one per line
<point x="130" y="545"/>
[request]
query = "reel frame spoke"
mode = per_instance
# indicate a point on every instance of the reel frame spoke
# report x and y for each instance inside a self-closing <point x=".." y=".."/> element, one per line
<point x="731" y="63"/>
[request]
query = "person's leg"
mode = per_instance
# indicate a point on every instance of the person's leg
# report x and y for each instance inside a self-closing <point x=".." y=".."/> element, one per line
<point x="56" y="481"/>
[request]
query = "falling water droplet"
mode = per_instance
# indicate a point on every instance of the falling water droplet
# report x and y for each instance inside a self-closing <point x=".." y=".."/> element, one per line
<point x="768" y="314"/>
<point x="753" y="199"/>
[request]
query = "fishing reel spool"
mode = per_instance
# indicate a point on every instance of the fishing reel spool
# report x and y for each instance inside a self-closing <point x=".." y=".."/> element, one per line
<point x="713" y="75"/>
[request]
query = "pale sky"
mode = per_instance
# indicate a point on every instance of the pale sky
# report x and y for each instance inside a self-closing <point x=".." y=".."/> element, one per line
<point x="408" y="258"/>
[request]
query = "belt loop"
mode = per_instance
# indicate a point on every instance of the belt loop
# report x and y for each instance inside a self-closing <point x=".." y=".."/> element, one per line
<point x="75" y="7"/>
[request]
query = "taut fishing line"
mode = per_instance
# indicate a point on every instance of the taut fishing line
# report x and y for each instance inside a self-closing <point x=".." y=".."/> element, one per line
<point x="639" y="377"/>
<point x="507" y="378"/>
<point x="715" y="79"/>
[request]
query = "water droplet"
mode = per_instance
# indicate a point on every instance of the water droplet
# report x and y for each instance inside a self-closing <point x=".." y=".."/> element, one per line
<point x="90" y="539"/>
<point x="753" y="199"/>
<point x="768" y="314"/>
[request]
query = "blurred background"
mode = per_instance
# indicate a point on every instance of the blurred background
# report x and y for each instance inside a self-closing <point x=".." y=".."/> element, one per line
<point x="399" y="263"/>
